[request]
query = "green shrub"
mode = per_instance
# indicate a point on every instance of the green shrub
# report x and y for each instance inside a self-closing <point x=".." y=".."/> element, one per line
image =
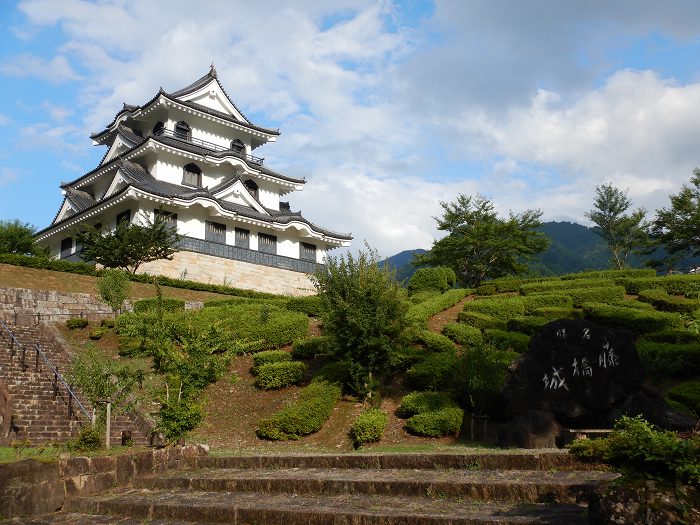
<point x="532" y="302"/>
<point x="552" y="313"/>
<point x="434" y="342"/>
<point x="664" y="360"/>
<point x="611" y="274"/>
<point x="486" y="289"/>
<point x="554" y="287"/>
<point x="502" y="308"/>
<point x="638" y="321"/>
<point x="108" y="322"/>
<point x="605" y="294"/>
<point x="169" y="304"/>
<point x="310" y="347"/>
<point x="438" y="278"/>
<point x="436" y="424"/>
<point x="76" y="323"/>
<point x="527" y="324"/>
<point x="463" y="334"/>
<point x="97" y="333"/>
<point x="405" y="358"/>
<point x="304" y="416"/>
<point x="269" y="356"/>
<point x="479" y="320"/>
<point x="502" y="340"/>
<point x="637" y="305"/>
<point x="673" y="284"/>
<point x="177" y="418"/>
<point x="688" y="395"/>
<point x="420" y="402"/>
<point x="310" y="305"/>
<point x="639" y="450"/>
<point x="673" y="335"/>
<point x="424" y="295"/>
<point x="419" y="314"/>
<point x="272" y="376"/>
<point x="368" y="427"/>
<point x="510" y="284"/>
<point x="90" y="438"/>
<point x="435" y="373"/>
<point x="114" y="287"/>
<point x="661" y="300"/>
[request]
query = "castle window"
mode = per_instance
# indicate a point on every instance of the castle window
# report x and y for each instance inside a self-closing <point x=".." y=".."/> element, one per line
<point x="158" y="128"/>
<point x="252" y="188"/>
<point x="238" y="146"/>
<point x="66" y="247"/>
<point x="307" y="251"/>
<point x="183" y="131"/>
<point x="215" y="232"/>
<point x="267" y="243"/>
<point x="169" y="218"/>
<point x="192" y="175"/>
<point x="124" y="216"/>
<point x="242" y="238"/>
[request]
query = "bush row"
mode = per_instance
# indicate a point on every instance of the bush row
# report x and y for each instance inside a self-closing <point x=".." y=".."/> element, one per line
<point x="503" y="340"/>
<point x="368" y="427"/>
<point x="269" y="356"/>
<point x="553" y="313"/>
<point x="563" y="286"/>
<point x="673" y="284"/>
<point x="664" y="360"/>
<point x="311" y="305"/>
<point x="611" y="274"/>
<point x="673" y="335"/>
<point x="502" y="308"/>
<point x="434" y="342"/>
<point x="310" y="347"/>
<point x="420" y="402"/>
<point x="420" y="313"/>
<point x="275" y="375"/>
<point x="437" y="423"/>
<point x="479" y="320"/>
<point x="603" y="294"/>
<point x="304" y="416"/>
<point x="463" y="334"/>
<point x="528" y="324"/>
<point x="688" y="395"/>
<point x="661" y="300"/>
<point x="638" y="321"/>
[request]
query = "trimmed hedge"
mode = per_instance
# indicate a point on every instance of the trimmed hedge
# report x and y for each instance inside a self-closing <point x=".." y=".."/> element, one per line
<point x="97" y="333"/>
<point x="638" y="321"/>
<point x="551" y="287"/>
<point x="368" y="427"/>
<point x="310" y="347"/>
<point x="434" y="342"/>
<point x="405" y="358"/>
<point x="486" y="289"/>
<point x="436" y="424"/>
<point x="76" y="323"/>
<point x="424" y="295"/>
<point x="661" y="300"/>
<point x="420" y="313"/>
<point x="553" y="313"/>
<point x="611" y="274"/>
<point x="479" y="320"/>
<point x="532" y="302"/>
<point x="673" y="335"/>
<point x="638" y="305"/>
<point x="420" y="402"/>
<point x="673" y="284"/>
<point x="272" y="376"/>
<point x="169" y="304"/>
<point x="303" y="417"/>
<point x="463" y="334"/>
<point x="440" y="278"/>
<point x="688" y="395"/>
<point x="528" y="324"/>
<point x="269" y="356"/>
<point x="434" y="373"/>
<point x="663" y="360"/>
<point x="311" y="305"/>
<point x="502" y="340"/>
<point x="604" y="294"/>
<point x="503" y="308"/>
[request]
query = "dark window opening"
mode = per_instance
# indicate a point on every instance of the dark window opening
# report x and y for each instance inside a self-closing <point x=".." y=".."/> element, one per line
<point x="238" y="146"/>
<point x="215" y="232"/>
<point x="66" y="247"/>
<point x="192" y="175"/>
<point x="242" y="238"/>
<point x="252" y="188"/>
<point x="158" y="128"/>
<point x="169" y="218"/>
<point x="183" y="131"/>
<point x="124" y="216"/>
<point x="267" y="243"/>
<point x="307" y="251"/>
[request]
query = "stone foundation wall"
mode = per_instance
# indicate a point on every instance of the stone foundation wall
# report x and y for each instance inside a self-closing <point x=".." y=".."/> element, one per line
<point x="217" y="270"/>
<point x="26" y="306"/>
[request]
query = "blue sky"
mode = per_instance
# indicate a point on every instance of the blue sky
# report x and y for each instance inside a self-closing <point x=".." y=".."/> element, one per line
<point x="387" y="108"/>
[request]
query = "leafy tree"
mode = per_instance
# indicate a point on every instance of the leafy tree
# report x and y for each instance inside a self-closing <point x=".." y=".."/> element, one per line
<point x="18" y="237"/>
<point x="481" y="245"/>
<point x="625" y="233"/>
<point x="364" y="314"/>
<point x="128" y="246"/>
<point x="113" y="287"/>
<point x="678" y="228"/>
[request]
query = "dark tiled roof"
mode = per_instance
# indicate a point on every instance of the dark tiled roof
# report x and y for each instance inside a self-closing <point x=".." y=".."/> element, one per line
<point x="127" y="133"/>
<point x="81" y="200"/>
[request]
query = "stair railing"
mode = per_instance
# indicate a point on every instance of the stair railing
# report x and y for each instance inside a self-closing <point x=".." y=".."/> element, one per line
<point x="57" y="377"/>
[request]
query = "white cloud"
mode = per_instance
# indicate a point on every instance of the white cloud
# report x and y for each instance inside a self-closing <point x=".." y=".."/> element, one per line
<point x="56" y="70"/>
<point x="8" y="175"/>
<point x="56" y="112"/>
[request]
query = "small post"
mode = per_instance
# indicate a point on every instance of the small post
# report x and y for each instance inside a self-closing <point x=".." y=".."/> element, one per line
<point x="38" y="319"/>
<point x="94" y="416"/>
<point x="36" y="360"/>
<point x="70" y="402"/>
<point x="109" y="423"/>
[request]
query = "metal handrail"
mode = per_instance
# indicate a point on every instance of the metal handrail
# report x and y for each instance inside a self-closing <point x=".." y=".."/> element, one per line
<point x="209" y="145"/>
<point x="57" y="376"/>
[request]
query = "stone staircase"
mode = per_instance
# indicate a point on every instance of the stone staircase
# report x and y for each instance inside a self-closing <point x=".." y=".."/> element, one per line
<point x="40" y="403"/>
<point x="364" y="489"/>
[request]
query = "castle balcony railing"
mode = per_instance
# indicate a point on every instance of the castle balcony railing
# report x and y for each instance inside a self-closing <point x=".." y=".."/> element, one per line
<point x="208" y="145"/>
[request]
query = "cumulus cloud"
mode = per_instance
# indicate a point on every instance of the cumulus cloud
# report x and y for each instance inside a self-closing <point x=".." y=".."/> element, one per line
<point x="56" y="71"/>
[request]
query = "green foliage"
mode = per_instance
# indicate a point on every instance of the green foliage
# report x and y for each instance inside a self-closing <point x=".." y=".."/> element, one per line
<point x="661" y="300"/>
<point x="486" y="289"/>
<point x="311" y="305"/>
<point x="275" y="375"/>
<point x="421" y="402"/>
<point x="17" y="237"/>
<point x="304" y="416"/>
<point x="435" y="342"/>
<point x="503" y="340"/>
<point x="364" y="313"/>
<point x="463" y="334"/>
<point x="529" y="324"/>
<point x="437" y="278"/>
<point x="89" y="439"/>
<point x="437" y="423"/>
<point x="638" y="449"/>
<point x="434" y="373"/>
<point x="480" y="245"/>
<point x="178" y="417"/>
<point x="108" y="323"/>
<point x="419" y="297"/>
<point x="603" y="294"/>
<point x="673" y="284"/>
<point x="97" y="333"/>
<point x="532" y="302"/>
<point x="611" y="274"/>
<point x="502" y="308"/>
<point x="405" y="358"/>
<point x="687" y="394"/>
<point x="673" y="335"/>
<point x="624" y="232"/>
<point x="638" y="321"/>
<point x="114" y="287"/>
<point x="505" y="285"/>
<point x="552" y="313"/>
<point x="664" y="360"/>
<point x="418" y="314"/>
<point x="269" y="356"/>
<point x="168" y="304"/>
<point x="76" y="323"/>
<point x="561" y="287"/>
<point x="311" y="347"/>
<point x="479" y="320"/>
<point x="129" y="245"/>
<point x="368" y="427"/>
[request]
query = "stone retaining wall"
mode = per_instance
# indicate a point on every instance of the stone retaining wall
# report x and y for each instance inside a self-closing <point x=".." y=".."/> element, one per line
<point x="32" y="487"/>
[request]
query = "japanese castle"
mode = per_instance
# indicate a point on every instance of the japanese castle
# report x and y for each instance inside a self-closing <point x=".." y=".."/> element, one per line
<point x="188" y="155"/>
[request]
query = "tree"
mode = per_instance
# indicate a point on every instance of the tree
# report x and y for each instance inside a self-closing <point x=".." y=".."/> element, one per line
<point x="625" y="233"/>
<point x="481" y="245"/>
<point x="18" y="237"/>
<point x="678" y="228"/>
<point x="128" y="246"/>
<point x="364" y="314"/>
<point x="113" y="287"/>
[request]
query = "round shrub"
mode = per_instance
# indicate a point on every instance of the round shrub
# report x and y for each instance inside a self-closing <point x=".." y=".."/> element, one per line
<point x="311" y="347"/>
<point x="435" y="373"/>
<point x="503" y="340"/>
<point x="90" y="438"/>
<point x="76" y="323"/>
<point x="434" y="278"/>
<point x="272" y="376"/>
<point x="97" y="333"/>
<point x="463" y="334"/>
<point x="688" y="395"/>
<point x="434" y="342"/>
<point x="529" y="324"/>
<point x="479" y="320"/>
<point x="368" y="427"/>
<point x="420" y="402"/>
<point x="486" y="289"/>
<point x="169" y="304"/>
<point x="269" y="356"/>
<point x="436" y="424"/>
<point x="502" y="308"/>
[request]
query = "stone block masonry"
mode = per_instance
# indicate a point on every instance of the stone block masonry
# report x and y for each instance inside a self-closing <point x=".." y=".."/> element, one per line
<point x="217" y="270"/>
<point x="25" y="306"/>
